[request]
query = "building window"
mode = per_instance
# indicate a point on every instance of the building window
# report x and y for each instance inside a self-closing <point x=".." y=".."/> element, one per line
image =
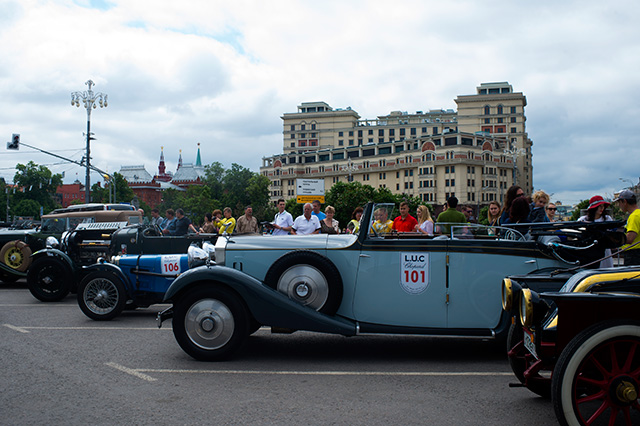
<point x="340" y="134"/>
<point x="513" y="110"/>
<point x="293" y="127"/>
<point x="313" y="126"/>
<point x="499" y="109"/>
<point x="340" y="142"/>
<point x="302" y="127"/>
<point x="513" y="119"/>
<point x="513" y="130"/>
<point x="487" y="110"/>
<point x="381" y="132"/>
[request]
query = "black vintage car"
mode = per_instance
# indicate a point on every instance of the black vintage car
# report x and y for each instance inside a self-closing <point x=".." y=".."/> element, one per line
<point x="18" y="244"/>
<point x="58" y="268"/>
<point x="581" y="346"/>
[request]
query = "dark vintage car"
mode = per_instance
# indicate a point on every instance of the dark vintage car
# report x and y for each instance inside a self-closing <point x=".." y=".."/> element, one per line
<point x="581" y="345"/>
<point x="57" y="269"/>
<point x="17" y="245"/>
<point x="371" y="282"/>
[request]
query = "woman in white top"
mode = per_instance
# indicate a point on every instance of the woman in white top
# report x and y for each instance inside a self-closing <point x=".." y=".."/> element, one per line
<point x="425" y="223"/>
<point x="596" y="213"/>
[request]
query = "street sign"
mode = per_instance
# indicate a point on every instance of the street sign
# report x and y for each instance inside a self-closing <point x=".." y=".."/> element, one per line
<point x="308" y="190"/>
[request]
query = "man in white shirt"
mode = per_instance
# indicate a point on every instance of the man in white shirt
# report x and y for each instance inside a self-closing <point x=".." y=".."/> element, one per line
<point x="307" y="223"/>
<point x="283" y="220"/>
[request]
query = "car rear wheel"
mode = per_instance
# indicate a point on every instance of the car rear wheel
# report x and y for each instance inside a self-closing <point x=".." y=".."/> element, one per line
<point x="308" y="278"/>
<point x="101" y="296"/>
<point x="49" y="280"/>
<point x="16" y="255"/>
<point x="597" y="377"/>
<point x="210" y="323"/>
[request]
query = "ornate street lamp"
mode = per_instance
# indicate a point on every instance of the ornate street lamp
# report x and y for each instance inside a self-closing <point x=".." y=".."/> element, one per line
<point x="89" y="99"/>
<point x="350" y="168"/>
<point x="514" y="153"/>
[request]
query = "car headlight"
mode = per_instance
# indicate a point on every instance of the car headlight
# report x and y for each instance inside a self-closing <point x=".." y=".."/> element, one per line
<point x="209" y="248"/>
<point x="510" y="294"/>
<point x="52" y="242"/>
<point x="196" y="256"/>
<point x="526" y="308"/>
<point x="533" y="309"/>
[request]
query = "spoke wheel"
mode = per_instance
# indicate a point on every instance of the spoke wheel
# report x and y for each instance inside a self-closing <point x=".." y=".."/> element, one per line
<point x="49" y="280"/>
<point x="210" y="323"/>
<point x="101" y="296"/>
<point x="597" y="378"/>
<point x="16" y="255"/>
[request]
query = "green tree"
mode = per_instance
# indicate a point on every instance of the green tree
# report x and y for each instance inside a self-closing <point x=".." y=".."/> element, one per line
<point x="29" y="208"/>
<point x="580" y="206"/>
<point x="236" y="182"/>
<point x="38" y="184"/>
<point x="124" y="194"/>
<point x="214" y="179"/>
<point x="196" y="202"/>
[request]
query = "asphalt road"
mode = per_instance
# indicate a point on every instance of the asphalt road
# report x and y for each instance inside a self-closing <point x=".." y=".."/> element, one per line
<point x="60" y="367"/>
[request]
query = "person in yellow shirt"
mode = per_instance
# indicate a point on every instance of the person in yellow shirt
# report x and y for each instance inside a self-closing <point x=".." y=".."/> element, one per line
<point x="227" y="219"/>
<point x="628" y="204"/>
<point x="382" y="224"/>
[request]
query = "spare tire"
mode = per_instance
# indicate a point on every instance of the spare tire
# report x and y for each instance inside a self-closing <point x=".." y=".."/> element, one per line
<point x="308" y="278"/>
<point x="16" y="255"/>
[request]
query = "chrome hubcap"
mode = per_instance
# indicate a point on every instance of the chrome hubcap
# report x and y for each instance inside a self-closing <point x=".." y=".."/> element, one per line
<point x="306" y="285"/>
<point x="209" y="324"/>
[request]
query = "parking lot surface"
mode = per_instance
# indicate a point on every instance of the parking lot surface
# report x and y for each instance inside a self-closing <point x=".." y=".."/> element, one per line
<point x="60" y="367"/>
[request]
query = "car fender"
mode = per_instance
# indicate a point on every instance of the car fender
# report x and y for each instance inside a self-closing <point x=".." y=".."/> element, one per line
<point x="268" y="306"/>
<point x="55" y="253"/>
<point x="109" y="267"/>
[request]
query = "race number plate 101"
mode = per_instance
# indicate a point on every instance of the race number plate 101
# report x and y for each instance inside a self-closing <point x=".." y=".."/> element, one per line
<point x="414" y="272"/>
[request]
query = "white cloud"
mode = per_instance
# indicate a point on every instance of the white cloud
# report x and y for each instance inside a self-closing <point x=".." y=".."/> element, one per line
<point x="223" y="73"/>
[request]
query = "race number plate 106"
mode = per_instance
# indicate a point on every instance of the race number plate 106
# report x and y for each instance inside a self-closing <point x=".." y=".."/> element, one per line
<point x="170" y="264"/>
<point x="414" y="272"/>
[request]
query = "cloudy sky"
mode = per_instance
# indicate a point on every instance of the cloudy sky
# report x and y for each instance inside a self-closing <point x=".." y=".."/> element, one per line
<point x="222" y="73"/>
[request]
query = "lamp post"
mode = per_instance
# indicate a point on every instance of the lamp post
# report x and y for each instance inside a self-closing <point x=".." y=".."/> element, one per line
<point x="514" y="153"/>
<point x="350" y="168"/>
<point x="89" y="99"/>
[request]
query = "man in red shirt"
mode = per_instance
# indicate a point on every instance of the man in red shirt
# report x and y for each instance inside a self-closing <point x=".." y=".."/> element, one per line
<point x="405" y="222"/>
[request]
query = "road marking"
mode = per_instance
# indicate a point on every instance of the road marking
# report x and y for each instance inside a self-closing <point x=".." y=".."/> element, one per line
<point x="25" y="329"/>
<point x="140" y="372"/>
<point x="37" y="305"/>
<point x="19" y="329"/>
<point x="329" y="373"/>
<point x="133" y="372"/>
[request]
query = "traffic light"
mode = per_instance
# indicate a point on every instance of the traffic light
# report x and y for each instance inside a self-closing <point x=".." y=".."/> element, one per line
<point x="15" y="141"/>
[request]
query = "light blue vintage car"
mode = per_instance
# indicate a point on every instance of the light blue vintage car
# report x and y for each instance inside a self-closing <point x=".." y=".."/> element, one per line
<point x="399" y="283"/>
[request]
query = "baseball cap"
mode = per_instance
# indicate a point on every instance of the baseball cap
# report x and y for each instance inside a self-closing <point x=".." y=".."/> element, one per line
<point x="625" y="195"/>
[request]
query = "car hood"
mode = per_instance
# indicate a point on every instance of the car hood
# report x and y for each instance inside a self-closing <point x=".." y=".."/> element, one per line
<point x="290" y="242"/>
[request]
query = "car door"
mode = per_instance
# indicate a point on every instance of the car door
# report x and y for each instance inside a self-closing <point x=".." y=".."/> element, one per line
<point x="476" y="269"/>
<point x="401" y="282"/>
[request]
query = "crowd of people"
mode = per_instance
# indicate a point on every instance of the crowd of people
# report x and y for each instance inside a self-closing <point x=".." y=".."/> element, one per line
<point x="517" y="209"/>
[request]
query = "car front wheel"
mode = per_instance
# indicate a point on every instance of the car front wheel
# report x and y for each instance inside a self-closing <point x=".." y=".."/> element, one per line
<point x="520" y="360"/>
<point x="49" y="280"/>
<point x="210" y="323"/>
<point x="101" y="296"/>
<point x="597" y="377"/>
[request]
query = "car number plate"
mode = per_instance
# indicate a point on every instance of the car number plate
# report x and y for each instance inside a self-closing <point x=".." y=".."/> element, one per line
<point x="529" y="342"/>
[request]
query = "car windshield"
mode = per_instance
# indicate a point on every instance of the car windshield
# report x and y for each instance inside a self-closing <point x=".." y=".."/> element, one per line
<point x="54" y="225"/>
